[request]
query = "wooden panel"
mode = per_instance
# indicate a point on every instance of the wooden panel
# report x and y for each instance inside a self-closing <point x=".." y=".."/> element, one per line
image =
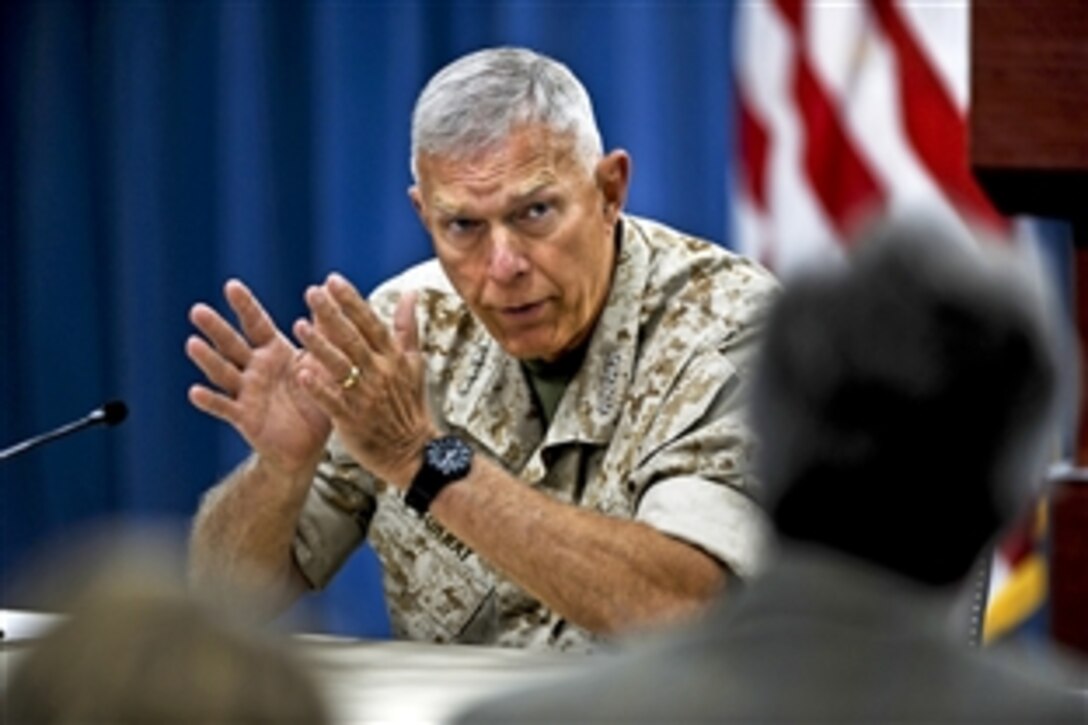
<point x="1069" y="562"/>
<point x="1028" y="119"/>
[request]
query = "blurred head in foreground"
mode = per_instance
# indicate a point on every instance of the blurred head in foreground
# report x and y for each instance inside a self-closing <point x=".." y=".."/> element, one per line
<point x="905" y="401"/>
<point x="904" y="406"/>
<point x="133" y="647"/>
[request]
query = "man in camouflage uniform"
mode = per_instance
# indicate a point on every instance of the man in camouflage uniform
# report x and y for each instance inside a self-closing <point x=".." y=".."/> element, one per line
<point x="543" y="439"/>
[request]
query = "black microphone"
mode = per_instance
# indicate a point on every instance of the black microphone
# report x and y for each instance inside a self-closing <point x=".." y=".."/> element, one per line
<point x="111" y="413"/>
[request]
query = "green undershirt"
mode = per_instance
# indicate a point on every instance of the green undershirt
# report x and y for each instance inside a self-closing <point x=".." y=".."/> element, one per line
<point x="549" y="380"/>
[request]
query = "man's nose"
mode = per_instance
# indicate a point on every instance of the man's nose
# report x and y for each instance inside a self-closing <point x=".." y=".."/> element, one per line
<point x="507" y="260"/>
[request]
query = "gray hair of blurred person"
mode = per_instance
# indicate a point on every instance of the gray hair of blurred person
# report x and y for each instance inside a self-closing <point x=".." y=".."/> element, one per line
<point x="907" y="401"/>
<point x="476" y="101"/>
<point x="135" y="646"/>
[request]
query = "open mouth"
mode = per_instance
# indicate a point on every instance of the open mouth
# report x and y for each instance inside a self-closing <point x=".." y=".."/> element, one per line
<point x="522" y="312"/>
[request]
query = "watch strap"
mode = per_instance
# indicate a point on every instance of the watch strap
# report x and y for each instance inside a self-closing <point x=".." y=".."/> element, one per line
<point x="425" y="487"/>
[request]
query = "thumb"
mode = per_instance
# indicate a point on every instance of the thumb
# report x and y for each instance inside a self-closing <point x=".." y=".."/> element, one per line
<point x="404" y="322"/>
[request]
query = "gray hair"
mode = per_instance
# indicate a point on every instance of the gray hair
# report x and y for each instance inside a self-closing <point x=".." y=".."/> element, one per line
<point x="477" y="100"/>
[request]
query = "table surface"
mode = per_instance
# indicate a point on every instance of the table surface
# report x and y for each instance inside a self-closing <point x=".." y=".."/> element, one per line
<point x="388" y="681"/>
<point x="376" y="681"/>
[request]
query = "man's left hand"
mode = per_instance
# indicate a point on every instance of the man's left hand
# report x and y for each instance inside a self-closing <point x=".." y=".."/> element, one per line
<point x="375" y="390"/>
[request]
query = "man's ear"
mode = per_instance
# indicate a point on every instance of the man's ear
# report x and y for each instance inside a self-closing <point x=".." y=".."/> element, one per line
<point x="416" y="197"/>
<point x="613" y="174"/>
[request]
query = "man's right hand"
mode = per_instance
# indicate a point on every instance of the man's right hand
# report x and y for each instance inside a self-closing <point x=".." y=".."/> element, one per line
<point x="252" y="374"/>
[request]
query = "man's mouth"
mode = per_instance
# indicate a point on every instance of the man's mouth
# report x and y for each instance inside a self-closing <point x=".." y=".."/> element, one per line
<point x="520" y="313"/>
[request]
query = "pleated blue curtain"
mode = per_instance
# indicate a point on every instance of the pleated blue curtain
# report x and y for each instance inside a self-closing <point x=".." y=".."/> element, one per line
<point x="151" y="150"/>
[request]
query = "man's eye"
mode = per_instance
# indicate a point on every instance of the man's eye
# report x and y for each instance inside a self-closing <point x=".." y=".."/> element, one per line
<point x="462" y="226"/>
<point x="536" y="211"/>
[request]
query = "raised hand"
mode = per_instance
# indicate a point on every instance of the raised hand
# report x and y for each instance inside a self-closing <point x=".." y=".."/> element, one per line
<point x="373" y="382"/>
<point x="253" y="376"/>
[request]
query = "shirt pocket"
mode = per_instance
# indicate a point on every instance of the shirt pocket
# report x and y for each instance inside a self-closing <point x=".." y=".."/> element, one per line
<point x="706" y="380"/>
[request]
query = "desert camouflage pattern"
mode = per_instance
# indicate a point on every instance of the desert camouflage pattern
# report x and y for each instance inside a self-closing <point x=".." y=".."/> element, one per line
<point x="651" y="428"/>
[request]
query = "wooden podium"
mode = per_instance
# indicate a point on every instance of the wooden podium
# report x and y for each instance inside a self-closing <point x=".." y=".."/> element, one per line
<point x="1029" y="150"/>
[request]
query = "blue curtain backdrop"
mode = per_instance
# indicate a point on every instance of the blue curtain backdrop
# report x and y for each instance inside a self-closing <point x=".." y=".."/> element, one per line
<point x="150" y="150"/>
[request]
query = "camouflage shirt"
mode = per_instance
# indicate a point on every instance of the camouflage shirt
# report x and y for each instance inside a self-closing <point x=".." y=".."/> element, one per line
<point x="650" y="428"/>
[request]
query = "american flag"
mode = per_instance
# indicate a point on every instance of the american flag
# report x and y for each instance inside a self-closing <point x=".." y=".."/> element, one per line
<point x="847" y="109"/>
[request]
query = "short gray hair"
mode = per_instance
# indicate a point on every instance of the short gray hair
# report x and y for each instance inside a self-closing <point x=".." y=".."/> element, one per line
<point x="477" y="100"/>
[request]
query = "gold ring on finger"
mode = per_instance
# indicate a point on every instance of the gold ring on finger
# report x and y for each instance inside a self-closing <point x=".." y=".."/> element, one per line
<point x="352" y="378"/>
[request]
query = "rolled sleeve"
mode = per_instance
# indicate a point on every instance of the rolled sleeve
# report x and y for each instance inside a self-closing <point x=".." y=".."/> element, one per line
<point x="719" y="519"/>
<point x="334" y="520"/>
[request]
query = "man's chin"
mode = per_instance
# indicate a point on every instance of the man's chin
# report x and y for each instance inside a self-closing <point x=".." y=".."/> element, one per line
<point x="526" y="354"/>
<point x="523" y="349"/>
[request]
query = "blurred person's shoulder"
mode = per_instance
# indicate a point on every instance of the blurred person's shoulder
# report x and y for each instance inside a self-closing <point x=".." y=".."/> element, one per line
<point x="1042" y="661"/>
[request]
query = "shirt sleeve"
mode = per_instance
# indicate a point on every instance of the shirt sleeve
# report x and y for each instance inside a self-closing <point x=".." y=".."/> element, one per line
<point x="719" y="520"/>
<point x="335" y="517"/>
<point x="698" y="484"/>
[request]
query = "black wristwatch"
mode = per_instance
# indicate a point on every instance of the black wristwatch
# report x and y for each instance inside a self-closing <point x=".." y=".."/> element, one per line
<point x="445" y="460"/>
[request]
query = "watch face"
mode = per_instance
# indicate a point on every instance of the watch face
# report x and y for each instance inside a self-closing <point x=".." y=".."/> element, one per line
<point x="450" y="455"/>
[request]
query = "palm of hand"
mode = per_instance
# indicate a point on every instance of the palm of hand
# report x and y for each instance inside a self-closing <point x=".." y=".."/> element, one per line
<point x="277" y="417"/>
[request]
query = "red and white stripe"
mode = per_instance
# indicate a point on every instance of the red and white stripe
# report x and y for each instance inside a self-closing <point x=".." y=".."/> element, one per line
<point x="847" y="109"/>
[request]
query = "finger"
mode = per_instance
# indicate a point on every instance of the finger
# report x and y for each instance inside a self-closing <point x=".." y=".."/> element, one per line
<point x="215" y="404"/>
<point x="360" y="313"/>
<point x="330" y="320"/>
<point x="305" y="361"/>
<point x="219" y="371"/>
<point x="257" y="324"/>
<point x="332" y="359"/>
<point x="404" y="322"/>
<point x="328" y="396"/>
<point x="228" y="341"/>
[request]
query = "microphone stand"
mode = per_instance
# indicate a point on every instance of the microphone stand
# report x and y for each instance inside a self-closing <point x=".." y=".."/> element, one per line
<point x="111" y="413"/>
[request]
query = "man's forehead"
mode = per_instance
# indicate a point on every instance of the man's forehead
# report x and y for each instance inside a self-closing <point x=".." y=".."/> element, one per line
<point x="505" y="173"/>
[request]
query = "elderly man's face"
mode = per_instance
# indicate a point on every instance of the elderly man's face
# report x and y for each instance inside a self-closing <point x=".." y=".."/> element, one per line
<point x="525" y="234"/>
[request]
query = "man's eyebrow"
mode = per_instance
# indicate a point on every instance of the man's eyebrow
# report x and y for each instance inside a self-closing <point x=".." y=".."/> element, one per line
<point x="446" y="208"/>
<point x="540" y="186"/>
